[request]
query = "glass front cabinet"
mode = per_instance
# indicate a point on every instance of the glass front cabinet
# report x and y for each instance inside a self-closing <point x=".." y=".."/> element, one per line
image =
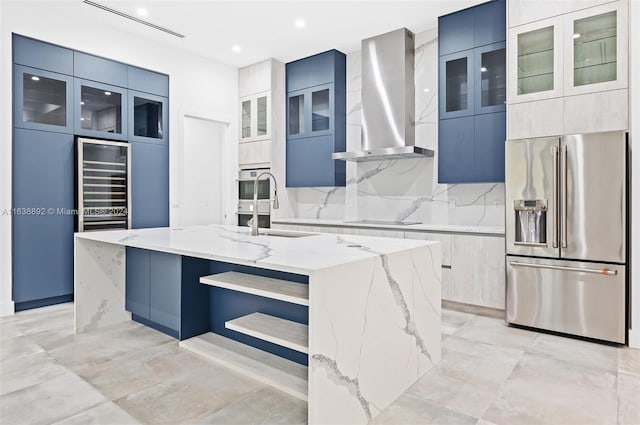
<point x="535" y="56"/>
<point x="577" y="53"/>
<point x="148" y="118"/>
<point x="101" y="110"/>
<point x="43" y="100"/>
<point x="596" y="45"/>
<point x="310" y="112"/>
<point x="255" y="116"/>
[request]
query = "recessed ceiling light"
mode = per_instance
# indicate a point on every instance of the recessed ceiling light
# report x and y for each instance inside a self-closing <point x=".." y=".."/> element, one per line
<point x="426" y="90"/>
<point x="107" y="93"/>
<point x="82" y="102"/>
<point x="483" y="69"/>
<point x="35" y="78"/>
<point x="236" y="48"/>
<point x="141" y="11"/>
<point x="81" y="118"/>
<point x="576" y="35"/>
<point x="300" y="23"/>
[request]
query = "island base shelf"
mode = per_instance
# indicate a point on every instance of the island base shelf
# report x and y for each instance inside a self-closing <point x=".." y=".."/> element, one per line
<point x="278" y="331"/>
<point x="280" y="373"/>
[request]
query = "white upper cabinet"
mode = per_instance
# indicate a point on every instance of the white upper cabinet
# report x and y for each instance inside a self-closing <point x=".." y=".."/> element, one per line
<point x="255" y="117"/>
<point x="584" y="51"/>
<point x="596" y="42"/>
<point x="535" y="54"/>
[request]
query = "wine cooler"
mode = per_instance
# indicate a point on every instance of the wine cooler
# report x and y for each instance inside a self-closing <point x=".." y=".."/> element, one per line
<point x="104" y="185"/>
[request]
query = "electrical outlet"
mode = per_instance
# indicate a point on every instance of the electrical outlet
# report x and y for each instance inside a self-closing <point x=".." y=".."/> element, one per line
<point x="497" y="203"/>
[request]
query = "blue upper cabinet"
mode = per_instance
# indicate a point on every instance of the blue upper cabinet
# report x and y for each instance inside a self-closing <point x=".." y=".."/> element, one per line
<point x="100" y="110"/>
<point x="148" y="118"/>
<point x="148" y="81"/>
<point x="43" y="100"/>
<point x="455" y="32"/>
<point x="90" y="67"/>
<point x="41" y="55"/>
<point x="316" y="120"/>
<point x="472" y="94"/>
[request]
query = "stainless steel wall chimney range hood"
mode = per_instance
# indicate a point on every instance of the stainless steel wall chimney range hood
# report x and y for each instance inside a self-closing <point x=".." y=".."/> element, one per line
<point x="388" y="100"/>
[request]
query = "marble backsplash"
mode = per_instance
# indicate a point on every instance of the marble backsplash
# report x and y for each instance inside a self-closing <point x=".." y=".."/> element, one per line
<point x="405" y="189"/>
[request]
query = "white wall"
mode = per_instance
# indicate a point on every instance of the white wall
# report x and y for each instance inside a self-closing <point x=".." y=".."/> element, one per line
<point x="198" y="85"/>
<point x="634" y="48"/>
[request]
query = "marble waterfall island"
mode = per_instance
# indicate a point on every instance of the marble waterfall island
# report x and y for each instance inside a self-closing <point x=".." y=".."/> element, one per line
<point x="362" y="312"/>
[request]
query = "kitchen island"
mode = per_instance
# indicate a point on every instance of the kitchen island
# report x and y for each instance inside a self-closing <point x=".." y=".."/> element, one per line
<point x="371" y="305"/>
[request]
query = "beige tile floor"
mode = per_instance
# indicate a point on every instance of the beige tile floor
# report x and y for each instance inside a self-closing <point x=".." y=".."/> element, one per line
<point x="127" y="374"/>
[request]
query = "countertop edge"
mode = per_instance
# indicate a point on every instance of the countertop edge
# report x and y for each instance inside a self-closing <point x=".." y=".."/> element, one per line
<point x="439" y="228"/>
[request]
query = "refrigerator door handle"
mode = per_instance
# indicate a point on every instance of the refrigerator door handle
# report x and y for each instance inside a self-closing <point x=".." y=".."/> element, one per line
<point x="603" y="271"/>
<point x="563" y="195"/>
<point x="554" y="227"/>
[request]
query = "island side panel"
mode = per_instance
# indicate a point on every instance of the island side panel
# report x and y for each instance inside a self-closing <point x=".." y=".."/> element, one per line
<point x="99" y="285"/>
<point x="374" y="330"/>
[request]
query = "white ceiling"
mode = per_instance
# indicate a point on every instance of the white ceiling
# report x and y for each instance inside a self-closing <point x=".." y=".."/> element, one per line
<point x="265" y="29"/>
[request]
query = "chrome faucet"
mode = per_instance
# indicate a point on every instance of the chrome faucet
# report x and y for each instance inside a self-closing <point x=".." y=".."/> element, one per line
<point x="253" y="223"/>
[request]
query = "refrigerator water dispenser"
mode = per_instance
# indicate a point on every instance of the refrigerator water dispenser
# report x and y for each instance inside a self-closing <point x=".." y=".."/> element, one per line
<point x="531" y="222"/>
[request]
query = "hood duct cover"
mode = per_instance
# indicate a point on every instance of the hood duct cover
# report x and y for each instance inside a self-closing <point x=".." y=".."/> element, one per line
<point x="388" y="99"/>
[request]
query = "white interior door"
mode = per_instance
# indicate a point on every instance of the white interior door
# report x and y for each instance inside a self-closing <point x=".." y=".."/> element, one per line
<point x="202" y="197"/>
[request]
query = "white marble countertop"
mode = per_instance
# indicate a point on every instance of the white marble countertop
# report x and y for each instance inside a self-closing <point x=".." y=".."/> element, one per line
<point x="454" y="228"/>
<point x="235" y="245"/>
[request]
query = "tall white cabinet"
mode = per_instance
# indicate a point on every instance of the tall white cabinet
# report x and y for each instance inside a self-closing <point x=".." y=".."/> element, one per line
<point x="260" y="88"/>
<point x="567" y="67"/>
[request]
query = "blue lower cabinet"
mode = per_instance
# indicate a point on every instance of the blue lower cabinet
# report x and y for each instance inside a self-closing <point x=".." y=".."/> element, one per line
<point x="456" y="150"/>
<point x="149" y="185"/>
<point x="489" y="147"/>
<point x="137" y="283"/>
<point x="309" y="163"/>
<point x="43" y="220"/>
<point x="163" y="291"/>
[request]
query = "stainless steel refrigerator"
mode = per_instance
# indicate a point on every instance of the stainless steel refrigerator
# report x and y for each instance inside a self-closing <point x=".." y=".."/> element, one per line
<point x="566" y="234"/>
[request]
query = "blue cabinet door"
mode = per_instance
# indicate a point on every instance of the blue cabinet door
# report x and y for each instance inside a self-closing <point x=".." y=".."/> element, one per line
<point x="148" y="81"/>
<point x="41" y="55"/>
<point x="100" y="110"/>
<point x="312" y="71"/>
<point x="148" y="118"/>
<point x="309" y="162"/>
<point x="42" y="100"/>
<point x="456" y="32"/>
<point x="95" y="68"/>
<point x="456" y="82"/>
<point x="43" y="223"/>
<point x="490" y="22"/>
<point x="149" y="185"/>
<point x="165" y="277"/>
<point x="490" y="85"/>
<point x="490" y="132"/>
<point x="137" y="283"/>
<point x="456" y="150"/>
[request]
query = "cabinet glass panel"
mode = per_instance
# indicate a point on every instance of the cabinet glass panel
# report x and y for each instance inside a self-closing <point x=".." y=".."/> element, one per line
<point x="262" y="116"/>
<point x="44" y="100"/>
<point x="457" y="85"/>
<point x="246" y="119"/>
<point x="594" y="49"/>
<point x="100" y="110"/>
<point x="296" y="114"/>
<point x="535" y="61"/>
<point x="320" y="110"/>
<point x="147" y="117"/>
<point x="493" y="82"/>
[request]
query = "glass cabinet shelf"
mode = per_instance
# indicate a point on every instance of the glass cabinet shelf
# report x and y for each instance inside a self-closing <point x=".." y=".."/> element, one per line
<point x="595" y="49"/>
<point x="261" y="126"/>
<point x="456" y="85"/>
<point x="246" y="119"/>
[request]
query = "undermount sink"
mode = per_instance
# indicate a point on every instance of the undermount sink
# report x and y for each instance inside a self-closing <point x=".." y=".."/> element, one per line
<point x="284" y="233"/>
